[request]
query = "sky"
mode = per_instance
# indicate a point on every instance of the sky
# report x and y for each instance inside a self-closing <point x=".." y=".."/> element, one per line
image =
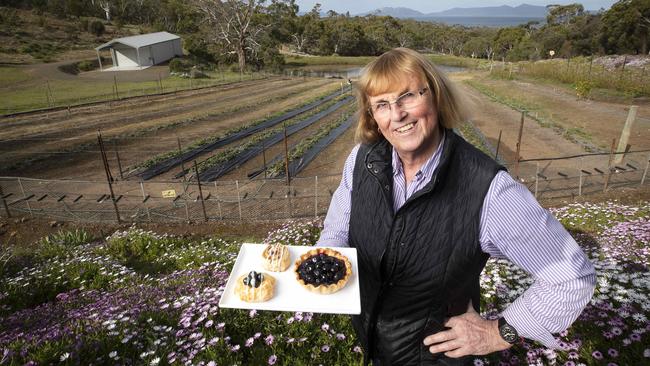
<point x="361" y="6"/>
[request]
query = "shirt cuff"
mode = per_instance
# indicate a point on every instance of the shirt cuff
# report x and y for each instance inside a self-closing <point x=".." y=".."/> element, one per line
<point x="518" y="315"/>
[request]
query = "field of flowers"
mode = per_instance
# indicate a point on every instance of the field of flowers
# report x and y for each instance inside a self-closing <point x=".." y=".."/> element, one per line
<point x="138" y="297"/>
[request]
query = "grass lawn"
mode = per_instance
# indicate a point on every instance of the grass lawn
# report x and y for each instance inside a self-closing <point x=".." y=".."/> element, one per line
<point x="11" y="76"/>
<point x="49" y="93"/>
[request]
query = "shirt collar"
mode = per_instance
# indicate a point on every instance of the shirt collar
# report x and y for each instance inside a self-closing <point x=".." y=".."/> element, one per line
<point x="426" y="170"/>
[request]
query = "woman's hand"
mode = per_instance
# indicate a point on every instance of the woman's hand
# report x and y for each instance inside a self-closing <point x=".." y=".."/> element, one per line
<point x="470" y="334"/>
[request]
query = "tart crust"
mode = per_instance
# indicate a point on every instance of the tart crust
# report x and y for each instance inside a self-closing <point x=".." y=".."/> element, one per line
<point x="255" y="294"/>
<point x="324" y="289"/>
<point x="276" y="258"/>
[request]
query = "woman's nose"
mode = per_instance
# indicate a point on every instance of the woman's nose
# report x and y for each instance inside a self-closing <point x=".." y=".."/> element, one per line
<point x="396" y="112"/>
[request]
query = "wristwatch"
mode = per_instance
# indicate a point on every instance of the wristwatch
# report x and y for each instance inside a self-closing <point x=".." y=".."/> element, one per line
<point x="507" y="331"/>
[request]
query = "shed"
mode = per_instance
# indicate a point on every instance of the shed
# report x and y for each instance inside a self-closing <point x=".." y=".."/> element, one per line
<point x="141" y="51"/>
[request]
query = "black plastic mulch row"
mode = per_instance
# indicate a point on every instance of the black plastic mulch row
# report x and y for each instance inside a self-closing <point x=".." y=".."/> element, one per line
<point x="219" y="170"/>
<point x="168" y="164"/>
<point x="296" y="166"/>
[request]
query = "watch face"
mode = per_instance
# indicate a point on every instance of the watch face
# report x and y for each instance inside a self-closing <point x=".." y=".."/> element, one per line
<point x="508" y="333"/>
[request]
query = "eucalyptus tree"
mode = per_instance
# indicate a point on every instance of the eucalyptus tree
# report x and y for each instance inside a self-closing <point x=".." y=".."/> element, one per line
<point x="230" y="22"/>
<point x="626" y="27"/>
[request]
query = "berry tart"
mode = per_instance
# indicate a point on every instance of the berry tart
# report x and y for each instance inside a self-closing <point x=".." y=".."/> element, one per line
<point x="276" y="258"/>
<point x="323" y="270"/>
<point x="255" y="287"/>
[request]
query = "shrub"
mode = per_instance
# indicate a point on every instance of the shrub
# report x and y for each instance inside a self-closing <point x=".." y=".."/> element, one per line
<point x="97" y="28"/>
<point x="178" y="65"/>
<point x="195" y="73"/>
<point x="86" y="66"/>
<point x="83" y="24"/>
<point x="583" y="88"/>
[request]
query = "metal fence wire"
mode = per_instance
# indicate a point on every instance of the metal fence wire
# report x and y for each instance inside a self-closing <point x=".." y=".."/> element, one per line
<point x="270" y="199"/>
<point x="163" y="201"/>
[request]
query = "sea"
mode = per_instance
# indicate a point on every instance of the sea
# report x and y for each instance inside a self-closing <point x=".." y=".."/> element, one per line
<point x="493" y="22"/>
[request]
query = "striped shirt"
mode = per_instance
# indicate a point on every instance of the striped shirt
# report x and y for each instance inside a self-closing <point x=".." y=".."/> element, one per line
<point x="513" y="226"/>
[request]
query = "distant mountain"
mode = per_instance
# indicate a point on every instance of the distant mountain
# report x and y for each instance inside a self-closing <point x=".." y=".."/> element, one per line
<point x="397" y="12"/>
<point x="504" y="11"/>
<point x="523" y="10"/>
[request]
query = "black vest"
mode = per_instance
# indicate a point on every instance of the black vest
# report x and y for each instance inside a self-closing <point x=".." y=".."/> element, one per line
<point x="422" y="263"/>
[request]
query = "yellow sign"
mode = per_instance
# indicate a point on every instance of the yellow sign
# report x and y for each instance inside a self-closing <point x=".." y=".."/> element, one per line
<point x="169" y="194"/>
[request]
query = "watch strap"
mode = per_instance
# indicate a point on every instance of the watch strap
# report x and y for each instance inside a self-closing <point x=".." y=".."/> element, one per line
<point x="508" y="332"/>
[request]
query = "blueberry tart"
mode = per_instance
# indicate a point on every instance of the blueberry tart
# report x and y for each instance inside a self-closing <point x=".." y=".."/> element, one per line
<point x="276" y="258"/>
<point x="255" y="287"/>
<point x="323" y="270"/>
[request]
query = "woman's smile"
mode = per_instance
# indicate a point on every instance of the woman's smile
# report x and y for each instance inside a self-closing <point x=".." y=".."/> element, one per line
<point x="406" y="128"/>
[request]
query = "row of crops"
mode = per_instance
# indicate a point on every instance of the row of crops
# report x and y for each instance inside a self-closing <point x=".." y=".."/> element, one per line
<point x="245" y="142"/>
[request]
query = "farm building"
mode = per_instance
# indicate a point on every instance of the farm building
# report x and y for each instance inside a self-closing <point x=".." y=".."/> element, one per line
<point x="141" y="51"/>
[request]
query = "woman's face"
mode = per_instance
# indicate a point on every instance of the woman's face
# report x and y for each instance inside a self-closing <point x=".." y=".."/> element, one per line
<point x="413" y="131"/>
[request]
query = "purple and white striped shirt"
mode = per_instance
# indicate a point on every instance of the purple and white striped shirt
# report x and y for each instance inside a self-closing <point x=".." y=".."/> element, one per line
<point x="513" y="226"/>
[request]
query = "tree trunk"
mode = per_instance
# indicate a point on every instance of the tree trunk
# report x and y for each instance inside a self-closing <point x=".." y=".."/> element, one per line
<point x="241" y="58"/>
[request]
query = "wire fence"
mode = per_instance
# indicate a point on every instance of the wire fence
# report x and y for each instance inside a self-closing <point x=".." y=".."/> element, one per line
<point x="271" y="199"/>
<point x="165" y="201"/>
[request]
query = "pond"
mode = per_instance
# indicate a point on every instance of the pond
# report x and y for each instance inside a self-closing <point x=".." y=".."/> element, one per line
<point x="343" y="71"/>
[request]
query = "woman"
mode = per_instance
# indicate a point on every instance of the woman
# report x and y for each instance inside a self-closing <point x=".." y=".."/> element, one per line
<point x="425" y="210"/>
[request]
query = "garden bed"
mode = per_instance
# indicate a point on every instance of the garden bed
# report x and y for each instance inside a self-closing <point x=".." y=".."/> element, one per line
<point x="139" y="297"/>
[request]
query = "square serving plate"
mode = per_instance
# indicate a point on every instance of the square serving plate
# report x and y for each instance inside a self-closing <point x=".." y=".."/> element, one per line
<point x="289" y="294"/>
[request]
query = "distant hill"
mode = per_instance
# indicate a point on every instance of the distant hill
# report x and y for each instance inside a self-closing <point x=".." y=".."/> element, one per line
<point x="397" y="12"/>
<point x="504" y="11"/>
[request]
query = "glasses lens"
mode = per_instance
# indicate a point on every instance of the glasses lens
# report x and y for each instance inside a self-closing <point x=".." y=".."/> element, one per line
<point x="408" y="100"/>
<point x="405" y="101"/>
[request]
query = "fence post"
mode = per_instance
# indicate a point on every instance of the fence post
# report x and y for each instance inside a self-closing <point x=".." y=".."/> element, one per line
<point x="580" y="179"/>
<point x="517" y="156"/>
<point x="286" y="157"/>
<point x="609" y="165"/>
<point x="316" y="197"/>
<point x="645" y="171"/>
<point x="196" y="169"/>
<point x="109" y="178"/>
<point x="180" y="150"/>
<point x="119" y="161"/>
<point x="238" y="199"/>
<point x="625" y="134"/>
<point x="216" y="196"/>
<point x="4" y="202"/>
<point x="496" y="154"/>
<point x="144" y="196"/>
<point x="536" y="178"/>
<point x="29" y="207"/>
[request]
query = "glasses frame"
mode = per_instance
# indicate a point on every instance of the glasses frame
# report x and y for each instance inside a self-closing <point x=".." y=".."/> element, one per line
<point x="420" y="92"/>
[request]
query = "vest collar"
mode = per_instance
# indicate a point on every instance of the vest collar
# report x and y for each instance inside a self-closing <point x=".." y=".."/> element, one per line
<point x="378" y="163"/>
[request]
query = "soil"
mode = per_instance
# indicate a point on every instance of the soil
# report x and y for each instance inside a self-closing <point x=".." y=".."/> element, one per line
<point x="53" y="132"/>
<point x="143" y="127"/>
<point x="601" y="120"/>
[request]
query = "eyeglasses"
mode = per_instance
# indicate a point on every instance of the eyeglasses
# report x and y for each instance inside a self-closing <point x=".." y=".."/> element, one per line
<point x="408" y="100"/>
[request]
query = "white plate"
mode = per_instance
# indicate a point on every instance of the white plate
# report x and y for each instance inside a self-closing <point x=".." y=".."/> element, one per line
<point x="289" y="294"/>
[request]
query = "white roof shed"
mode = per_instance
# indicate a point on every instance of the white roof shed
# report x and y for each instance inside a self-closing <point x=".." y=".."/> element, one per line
<point x="141" y="51"/>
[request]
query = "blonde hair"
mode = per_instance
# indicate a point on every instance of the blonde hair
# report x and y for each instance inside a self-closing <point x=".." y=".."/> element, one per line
<point x="390" y="71"/>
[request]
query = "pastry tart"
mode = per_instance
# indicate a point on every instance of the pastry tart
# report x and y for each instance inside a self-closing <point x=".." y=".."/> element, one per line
<point x="255" y="287"/>
<point x="323" y="270"/>
<point x="276" y="258"/>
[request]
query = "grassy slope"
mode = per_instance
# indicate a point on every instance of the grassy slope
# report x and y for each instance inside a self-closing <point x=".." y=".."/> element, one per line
<point x="27" y="37"/>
